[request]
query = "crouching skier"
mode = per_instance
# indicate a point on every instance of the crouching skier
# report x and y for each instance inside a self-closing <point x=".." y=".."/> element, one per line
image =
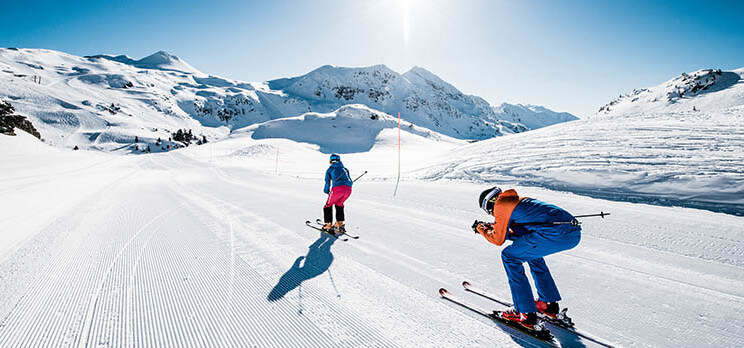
<point x="536" y="229"/>
<point x="338" y="188"/>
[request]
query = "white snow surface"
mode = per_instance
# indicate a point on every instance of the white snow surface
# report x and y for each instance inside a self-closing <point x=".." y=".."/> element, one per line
<point x="206" y="246"/>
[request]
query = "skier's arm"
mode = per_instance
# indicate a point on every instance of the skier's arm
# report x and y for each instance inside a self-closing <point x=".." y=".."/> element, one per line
<point x="327" y="187"/>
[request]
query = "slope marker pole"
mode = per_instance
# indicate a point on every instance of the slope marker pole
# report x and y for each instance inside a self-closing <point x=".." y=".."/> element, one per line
<point x="398" y="180"/>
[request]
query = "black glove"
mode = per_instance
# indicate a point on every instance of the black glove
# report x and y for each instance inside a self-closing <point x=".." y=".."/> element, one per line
<point x="476" y="223"/>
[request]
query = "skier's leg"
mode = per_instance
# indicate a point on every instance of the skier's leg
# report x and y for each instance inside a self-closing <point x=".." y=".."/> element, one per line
<point x="340" y="213"/>
<point x="548" y="241"/>
<point x="547" y="291"/>
<point x="513" y="259"/>
<point x="328" y="214"/>
<point x="341" y="194"/>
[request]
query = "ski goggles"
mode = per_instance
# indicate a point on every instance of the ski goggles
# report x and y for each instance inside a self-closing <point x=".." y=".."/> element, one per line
<point x="490" y="198"/>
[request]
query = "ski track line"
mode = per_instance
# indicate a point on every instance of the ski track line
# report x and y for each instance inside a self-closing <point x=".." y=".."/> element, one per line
<point x="53" y="294"/>
<point x="94" y="301"/>
<point x="38" y="284"/>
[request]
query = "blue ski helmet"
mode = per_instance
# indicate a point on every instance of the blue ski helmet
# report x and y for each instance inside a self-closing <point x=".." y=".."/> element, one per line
<point x="334" y="158"/>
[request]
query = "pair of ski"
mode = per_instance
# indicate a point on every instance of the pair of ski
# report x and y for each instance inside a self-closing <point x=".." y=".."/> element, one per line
<point x="341" y="236"/>
<point x="561" y="321"/>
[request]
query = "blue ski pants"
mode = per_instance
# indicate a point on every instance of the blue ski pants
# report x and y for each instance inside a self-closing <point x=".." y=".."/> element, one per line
<point x="531" y="248"/>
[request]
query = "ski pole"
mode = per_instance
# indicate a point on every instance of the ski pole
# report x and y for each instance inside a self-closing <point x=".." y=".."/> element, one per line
<point x="573" y="222"/>
<point x="353" y="181"/>
<point x="601" y="214"/>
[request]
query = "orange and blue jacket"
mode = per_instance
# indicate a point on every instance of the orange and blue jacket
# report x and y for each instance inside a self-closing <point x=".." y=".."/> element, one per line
<point x="502" y="210"/>
<point x="510" y="210"/>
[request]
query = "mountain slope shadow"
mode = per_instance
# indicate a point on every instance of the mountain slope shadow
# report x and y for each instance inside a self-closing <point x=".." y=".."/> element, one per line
<point x="316" y="262"/>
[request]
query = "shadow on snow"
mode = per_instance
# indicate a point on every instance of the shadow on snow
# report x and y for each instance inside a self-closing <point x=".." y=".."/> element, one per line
<point x="315" y="263"/>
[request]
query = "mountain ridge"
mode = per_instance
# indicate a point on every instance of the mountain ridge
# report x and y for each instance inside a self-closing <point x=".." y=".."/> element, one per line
<point x="107" y="101"/>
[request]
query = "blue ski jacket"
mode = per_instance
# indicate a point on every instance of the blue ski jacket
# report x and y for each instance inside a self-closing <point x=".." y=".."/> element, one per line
<point x="338" y="175"/>
<point x="533" y="210"/>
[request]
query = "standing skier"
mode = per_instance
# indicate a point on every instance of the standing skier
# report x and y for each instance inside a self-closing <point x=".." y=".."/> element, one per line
<point x="338" y="188"/>
<point x="529" y="224"/>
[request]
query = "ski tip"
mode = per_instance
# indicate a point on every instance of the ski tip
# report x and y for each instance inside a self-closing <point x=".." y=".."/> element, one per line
<point x="443" y="291"/>
<point x="466" y="283"/>
<point x="307" y="221"/>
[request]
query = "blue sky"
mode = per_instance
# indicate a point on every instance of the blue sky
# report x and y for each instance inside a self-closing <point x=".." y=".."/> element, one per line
<point x="567" y="55"/>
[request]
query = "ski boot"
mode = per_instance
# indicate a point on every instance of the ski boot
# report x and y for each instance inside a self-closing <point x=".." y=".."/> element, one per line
<point x="527" y="320"/>
<point x="552" y="312"/>
<point x="328" y="228"/>
<point x="548" y="309"/>
<point x="339" y="228"/>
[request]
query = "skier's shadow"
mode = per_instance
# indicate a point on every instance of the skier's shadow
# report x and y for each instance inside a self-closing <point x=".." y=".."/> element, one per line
<point x="316" y="262"/>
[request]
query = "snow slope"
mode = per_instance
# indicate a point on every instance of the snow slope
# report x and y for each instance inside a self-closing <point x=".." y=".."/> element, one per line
<point x="350" y="129"/>
<point x="661" y="153"/>
<point x="705" y="90"/>
<point x="206" y="246"/>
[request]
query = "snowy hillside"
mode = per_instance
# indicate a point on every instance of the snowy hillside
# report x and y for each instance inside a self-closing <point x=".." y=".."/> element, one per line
<point x="351" y="128"/>
<point x="531" y="116"/>
<point x="706" y="90"/>
<point x="118" y="103"/>
<point x="159" y="60"/>
<point x="661" y="152"/>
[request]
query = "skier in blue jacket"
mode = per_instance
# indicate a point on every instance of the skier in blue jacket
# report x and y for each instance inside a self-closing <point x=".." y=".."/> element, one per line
<point x="338" y="188"/>
<point x="536" y="229"/>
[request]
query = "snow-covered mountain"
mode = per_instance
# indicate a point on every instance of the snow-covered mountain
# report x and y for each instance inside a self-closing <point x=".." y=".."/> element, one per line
<point x="531" y="116"/>
<point x="119" y="103"/>
<point x="644" y="149"/>
<point x="420" y="96"/>
<point x="160" y="60"/>
<point x="705" y="90"/>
